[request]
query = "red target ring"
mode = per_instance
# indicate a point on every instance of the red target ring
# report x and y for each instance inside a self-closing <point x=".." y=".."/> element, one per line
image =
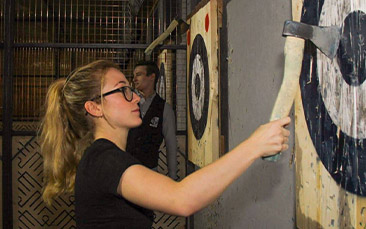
<point x="188" y="37"/>
<point x="207" y="22"/>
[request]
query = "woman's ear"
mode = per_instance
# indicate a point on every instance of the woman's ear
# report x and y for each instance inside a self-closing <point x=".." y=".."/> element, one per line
<point x="93" y="109"/>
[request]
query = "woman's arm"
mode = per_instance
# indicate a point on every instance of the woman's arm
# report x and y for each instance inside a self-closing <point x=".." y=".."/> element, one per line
<point x="152" y="190"/>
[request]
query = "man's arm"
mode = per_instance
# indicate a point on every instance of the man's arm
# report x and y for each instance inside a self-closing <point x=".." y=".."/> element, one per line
<point x="170" y="140"/>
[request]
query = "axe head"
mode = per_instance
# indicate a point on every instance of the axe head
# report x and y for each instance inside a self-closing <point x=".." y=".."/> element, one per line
<point x="325" y="38"/>
<point x="182" y="26"/>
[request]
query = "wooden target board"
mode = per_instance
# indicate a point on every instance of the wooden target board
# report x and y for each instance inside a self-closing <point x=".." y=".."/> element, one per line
<point x="164" y="86"/>
<point x="203" y="84"/>
<point x="330" y="111"/>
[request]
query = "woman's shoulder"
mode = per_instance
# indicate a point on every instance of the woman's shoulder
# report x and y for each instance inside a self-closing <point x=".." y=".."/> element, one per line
<point x="103" y="144"/>
<point x="104" y="149"/>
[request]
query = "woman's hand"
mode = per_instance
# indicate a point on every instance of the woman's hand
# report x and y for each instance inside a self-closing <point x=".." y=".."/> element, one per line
<point x="270" y="138"/>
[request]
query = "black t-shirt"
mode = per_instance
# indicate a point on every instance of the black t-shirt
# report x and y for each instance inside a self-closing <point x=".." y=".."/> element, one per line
<point x="97" y="203"/>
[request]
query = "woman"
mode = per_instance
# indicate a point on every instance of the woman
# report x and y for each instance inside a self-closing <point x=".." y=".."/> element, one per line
<point x="83" y="140"/>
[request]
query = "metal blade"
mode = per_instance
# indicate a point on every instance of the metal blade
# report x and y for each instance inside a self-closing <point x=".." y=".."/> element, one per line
<point x="325" y="38"/>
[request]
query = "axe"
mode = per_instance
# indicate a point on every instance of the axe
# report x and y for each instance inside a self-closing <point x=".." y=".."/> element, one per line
<point x="182" y="27"/>
<point x="326" y="39"/>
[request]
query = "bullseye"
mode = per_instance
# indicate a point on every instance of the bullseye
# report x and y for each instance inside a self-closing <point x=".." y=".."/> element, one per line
<point x="352" y="49"/>
<point x="198" y="82"/>
<point x="198" y="86"/>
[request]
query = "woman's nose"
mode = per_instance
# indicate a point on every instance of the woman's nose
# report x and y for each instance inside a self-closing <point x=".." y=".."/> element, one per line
<point x="136" y="97"/>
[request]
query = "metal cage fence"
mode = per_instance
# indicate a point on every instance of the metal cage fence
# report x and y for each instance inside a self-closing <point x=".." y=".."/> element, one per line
<point x="50" y="38"/>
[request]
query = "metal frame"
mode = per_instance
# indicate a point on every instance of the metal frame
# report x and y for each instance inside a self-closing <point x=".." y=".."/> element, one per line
<point x="9" y="16"/>
<point x="93" y="45"/>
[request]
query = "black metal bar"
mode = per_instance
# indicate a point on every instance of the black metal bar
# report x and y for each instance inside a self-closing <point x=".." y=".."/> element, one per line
<point x="44" y="76"/>
<point x="94" y="46"/>
<point x="79" y="21"/>
<point x="57" y="38"/>
<point x="174" y="86"/>
<point x="24" y="133"/>
<point x="224" y="83"/>
<point x="21" y="133"/>
<point x="181" y="132"/>
<point x="183" y="47"/>
<point x="57" y="64"/>
<point x="9" y="15"/>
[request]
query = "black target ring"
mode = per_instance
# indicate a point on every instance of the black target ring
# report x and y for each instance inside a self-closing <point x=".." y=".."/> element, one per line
<point x="198" y="86"/>
<point x="161" y="84"/>
<point x="344" y="156"/>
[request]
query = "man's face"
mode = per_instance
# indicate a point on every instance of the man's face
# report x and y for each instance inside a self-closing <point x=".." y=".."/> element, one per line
<point x="141" y="80"/>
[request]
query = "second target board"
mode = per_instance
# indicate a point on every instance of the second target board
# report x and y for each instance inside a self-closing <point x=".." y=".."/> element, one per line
<point x="203" y="85"/>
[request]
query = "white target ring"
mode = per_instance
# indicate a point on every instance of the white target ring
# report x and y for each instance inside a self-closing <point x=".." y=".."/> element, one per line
<point x="161" y="87"/>
<point x="346" y="104"/>
<point x="198" y="87"/>
<point x="161" y="84"/>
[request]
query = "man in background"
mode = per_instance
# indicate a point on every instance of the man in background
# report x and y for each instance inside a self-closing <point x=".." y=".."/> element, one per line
<point x="158" y="121"/>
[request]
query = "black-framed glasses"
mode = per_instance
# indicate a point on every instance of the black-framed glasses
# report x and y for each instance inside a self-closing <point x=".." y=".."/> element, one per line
<point x="127" y="92"/>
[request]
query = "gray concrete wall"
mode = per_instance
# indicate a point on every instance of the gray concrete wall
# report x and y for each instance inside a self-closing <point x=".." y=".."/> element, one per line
<point x="263" y="197"/>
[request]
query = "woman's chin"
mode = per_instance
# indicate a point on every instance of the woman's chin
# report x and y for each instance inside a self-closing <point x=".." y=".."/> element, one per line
<point x="137" y="123"/>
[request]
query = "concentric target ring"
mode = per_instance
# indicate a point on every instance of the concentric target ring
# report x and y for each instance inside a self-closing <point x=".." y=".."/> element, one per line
<point x="198" y="87"/>
<point x="161" y="84"/>
<point x="334" y="94"/>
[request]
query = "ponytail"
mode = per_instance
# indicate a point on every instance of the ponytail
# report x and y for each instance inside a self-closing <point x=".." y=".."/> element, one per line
<point x="53" y="139"/>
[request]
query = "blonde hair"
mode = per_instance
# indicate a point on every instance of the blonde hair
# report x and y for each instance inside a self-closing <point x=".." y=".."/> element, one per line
<point x="66" y="129"/>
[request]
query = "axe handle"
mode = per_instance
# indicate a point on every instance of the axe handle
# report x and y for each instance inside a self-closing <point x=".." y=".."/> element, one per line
<point x="161" y="37"/>
<point x="294" y="49"/>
